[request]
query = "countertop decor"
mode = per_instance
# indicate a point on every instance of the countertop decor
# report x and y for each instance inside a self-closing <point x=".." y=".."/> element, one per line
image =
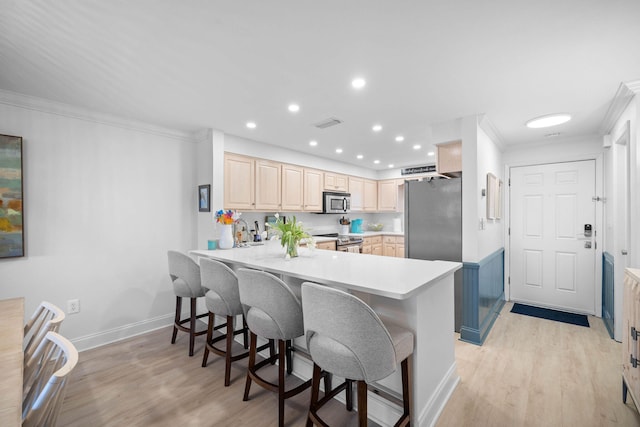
<point x="291" y="233"/>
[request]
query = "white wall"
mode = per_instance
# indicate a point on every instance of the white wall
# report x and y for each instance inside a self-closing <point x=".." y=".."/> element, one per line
<point x="103" y="203"/>
<point x="489" y="160"/>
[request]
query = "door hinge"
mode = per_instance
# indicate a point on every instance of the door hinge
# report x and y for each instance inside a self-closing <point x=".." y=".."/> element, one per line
<point x="595" y="245"/>
<point x="509" y="231"/>
<point x="509" y="182"/>
<point x="633" y="360"/>
<point x="509" y="280"/>
<point x="634" y="334"/>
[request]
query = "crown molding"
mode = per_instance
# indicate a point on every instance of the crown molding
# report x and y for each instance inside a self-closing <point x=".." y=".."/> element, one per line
<point x="626" y="92"/>
<point x="487" y="126"/>
<point x="29" y="102"/>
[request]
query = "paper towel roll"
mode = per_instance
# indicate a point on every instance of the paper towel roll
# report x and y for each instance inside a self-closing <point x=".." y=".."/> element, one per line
<point x="397" y="225"/>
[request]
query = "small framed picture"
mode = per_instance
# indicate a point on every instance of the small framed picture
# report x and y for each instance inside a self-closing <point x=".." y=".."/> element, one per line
<point x="204" y="201"/>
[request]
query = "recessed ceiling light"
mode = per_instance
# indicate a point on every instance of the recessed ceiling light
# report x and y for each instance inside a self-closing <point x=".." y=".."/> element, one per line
<point x="313" y="143"/>
<point x="251" y="125"/>
<point x="390" y="165"/>
<point x="359" y="156"/>
<point x="417" y="147"/>
<point x="548" y="120"/>
<point x="338" y="150"/>
<point x="358" y="83"/>
<point x="431" y="153"/>
<point x="377" y="128"/>
<point x="294" y="108"/>
<point x="376" y="161"/>
<point x="399" y="138"/>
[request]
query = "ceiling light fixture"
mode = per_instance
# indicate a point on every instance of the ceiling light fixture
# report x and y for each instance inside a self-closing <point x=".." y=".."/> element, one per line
<point x="376" y="161"/>
<point x="431" y="153"/>
<point x="338" y="150"/>
<point x="377" y="128"/>
<point x="294" y="108"/>
<point x="359" y="157"/>
<point x="251" y="125"/>
<point x="358" y="83"/>
<point x="391" y="165"/>
<point x="548" y="120"/>
<point x="399" y="138"/>
<point x="313" y="143"/>
<point x="417" y="147"/>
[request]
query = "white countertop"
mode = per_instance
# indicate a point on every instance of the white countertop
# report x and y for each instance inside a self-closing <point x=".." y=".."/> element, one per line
<point x="397" y="278"/>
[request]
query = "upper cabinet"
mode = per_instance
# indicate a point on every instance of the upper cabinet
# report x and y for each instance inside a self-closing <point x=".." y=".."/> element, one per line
<point x="449" y="157"/>
<point x="370" y="200"/>
<point x="389" y="199"/>
<point x="239" y="182"/>
<point x="264" y="185"/>
<point x="356" y="189"/>
<point x="313" y="181"/>
<point x="335" y="182"/>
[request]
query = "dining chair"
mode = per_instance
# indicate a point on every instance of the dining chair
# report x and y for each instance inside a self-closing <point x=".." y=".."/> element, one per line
<point x="347" y="338"/>
<point x="51" y="363"/>
<point x="185" y="275"/>
<point x="47" y="317"/>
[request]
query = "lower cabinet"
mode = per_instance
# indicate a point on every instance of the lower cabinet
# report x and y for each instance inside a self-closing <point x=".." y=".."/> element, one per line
<point x="631" y="335"/>
<point x="331" y="246"/>
<point x="384" y="245"/>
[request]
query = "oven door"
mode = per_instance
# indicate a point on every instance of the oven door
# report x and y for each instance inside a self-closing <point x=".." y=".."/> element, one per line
<point x="356" y="249"/>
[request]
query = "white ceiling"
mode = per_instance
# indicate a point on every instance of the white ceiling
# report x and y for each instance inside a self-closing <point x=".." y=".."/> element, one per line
<point x="193" y="64"/>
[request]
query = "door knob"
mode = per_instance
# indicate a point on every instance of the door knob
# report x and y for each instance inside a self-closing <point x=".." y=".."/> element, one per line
<point x="624" y="252"/>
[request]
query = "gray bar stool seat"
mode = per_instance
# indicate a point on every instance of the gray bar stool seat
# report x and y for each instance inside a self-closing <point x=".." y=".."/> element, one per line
<point x="185" y="275"/>
<point x="347" y="338"/>
<point x="223" y="299"/>
<point x="273" y="312"/>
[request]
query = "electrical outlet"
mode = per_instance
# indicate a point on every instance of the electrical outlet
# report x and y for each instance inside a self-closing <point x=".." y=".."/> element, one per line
<point x="73" y="306"/>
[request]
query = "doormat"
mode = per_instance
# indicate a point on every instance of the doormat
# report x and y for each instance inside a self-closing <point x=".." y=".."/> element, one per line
<point x="545" y="313"/>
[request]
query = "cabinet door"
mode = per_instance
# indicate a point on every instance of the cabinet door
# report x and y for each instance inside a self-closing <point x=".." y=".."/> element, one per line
<point x="335" y="182"/>
<point x="366" y="249"/>
<point x="449" y="157"/>
<point x="376" y="249"/>
<point x="313" y="190"/>
<point x="370" y="198"/>
<point x="268" y="185"/>
<point x="356" y="189"/>
<point x="292" y="188"/>
<point x="387" y="195"/>
<point x="389" y="249"/>
<point x="239" y="182"/>
<point x="399" y="250"/>
<point x="330" y="246"/>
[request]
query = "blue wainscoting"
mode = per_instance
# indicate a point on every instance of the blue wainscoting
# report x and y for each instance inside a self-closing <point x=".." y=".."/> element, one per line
<point x="482" y="296"/>
<point x="607" y="292"/>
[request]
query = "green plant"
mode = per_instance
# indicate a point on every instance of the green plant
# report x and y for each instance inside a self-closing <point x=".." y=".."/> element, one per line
<point x="290" y="233"/>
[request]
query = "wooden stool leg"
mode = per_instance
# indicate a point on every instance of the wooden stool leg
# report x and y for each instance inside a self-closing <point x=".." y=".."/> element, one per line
<point x="315" y="393"/>
<point x="227" y="368"/>
<point x="245" y="332"/>
<point x="349" y="393"/>
<point x="282" y="355"/>
<point x="192" y="323"/>
<point x="289" y="357"/>
<point x="362" y="404"/>
<point x="176" y="321"/>
<point x="209" y="338"/>
<point x="252" y="364"/>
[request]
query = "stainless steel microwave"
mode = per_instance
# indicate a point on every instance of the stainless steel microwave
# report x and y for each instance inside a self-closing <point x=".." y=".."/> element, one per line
<point x="336" y="202"/>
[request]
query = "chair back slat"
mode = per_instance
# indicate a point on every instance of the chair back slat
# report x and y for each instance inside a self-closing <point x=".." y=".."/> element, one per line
<point x="52" y="362"/>
<point x="47" y="317"/>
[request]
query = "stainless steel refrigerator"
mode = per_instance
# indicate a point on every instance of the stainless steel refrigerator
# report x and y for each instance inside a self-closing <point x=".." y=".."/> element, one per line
<point x="433" y="226"/>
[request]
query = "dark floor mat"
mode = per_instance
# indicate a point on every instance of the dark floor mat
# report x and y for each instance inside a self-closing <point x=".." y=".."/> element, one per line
<point x="545" y="313"/>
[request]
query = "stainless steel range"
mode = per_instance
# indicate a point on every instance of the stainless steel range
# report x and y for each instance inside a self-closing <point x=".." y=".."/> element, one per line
<point x="345" y="243"/>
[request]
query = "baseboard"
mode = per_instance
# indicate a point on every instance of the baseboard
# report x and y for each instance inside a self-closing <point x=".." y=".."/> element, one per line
<point x="99" y="339"/>
<point x="440" y="397"/>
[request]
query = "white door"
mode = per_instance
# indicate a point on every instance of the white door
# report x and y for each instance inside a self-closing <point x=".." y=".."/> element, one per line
<point x="552" y="259"/>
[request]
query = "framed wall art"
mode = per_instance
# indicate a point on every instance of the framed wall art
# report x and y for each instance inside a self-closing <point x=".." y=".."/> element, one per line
<point x="11" y="206"/>
<point x="204" y="199"/>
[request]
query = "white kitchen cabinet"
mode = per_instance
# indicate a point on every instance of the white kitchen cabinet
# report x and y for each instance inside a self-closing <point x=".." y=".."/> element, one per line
<point x="335" y="182"/>
<point x="313" y="180"/>
<point x="239" y="182"/>
<point x="393" y="246"/>
<point x="389" y="199"/>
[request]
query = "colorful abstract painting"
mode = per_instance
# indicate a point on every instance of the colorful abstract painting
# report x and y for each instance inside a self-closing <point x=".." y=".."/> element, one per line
<point x="11" y="213"/>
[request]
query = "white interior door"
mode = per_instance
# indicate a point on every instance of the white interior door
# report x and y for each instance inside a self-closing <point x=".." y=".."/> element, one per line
<point x="552" y="259"/>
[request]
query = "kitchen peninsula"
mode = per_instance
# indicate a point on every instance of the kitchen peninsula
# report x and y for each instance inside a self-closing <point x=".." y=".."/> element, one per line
<point x="417" y="294"/>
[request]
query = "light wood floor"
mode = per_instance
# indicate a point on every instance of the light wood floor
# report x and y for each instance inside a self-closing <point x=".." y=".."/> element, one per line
<point x="529" y="372"/>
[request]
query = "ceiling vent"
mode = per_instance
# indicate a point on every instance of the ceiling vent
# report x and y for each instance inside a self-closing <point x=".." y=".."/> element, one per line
<point x="331" y="121"/>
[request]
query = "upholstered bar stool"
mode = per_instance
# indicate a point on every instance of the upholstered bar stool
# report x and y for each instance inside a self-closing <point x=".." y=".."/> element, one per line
<point x="185" y="275"/>
<point x="347" y="338"/>
<point x="273" y="312"/>
<point x="223" y="299"/>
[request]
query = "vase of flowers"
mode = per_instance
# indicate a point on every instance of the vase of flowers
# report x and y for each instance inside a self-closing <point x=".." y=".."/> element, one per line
<point x="226" y="220"/>
<point x="291" y="233"/>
